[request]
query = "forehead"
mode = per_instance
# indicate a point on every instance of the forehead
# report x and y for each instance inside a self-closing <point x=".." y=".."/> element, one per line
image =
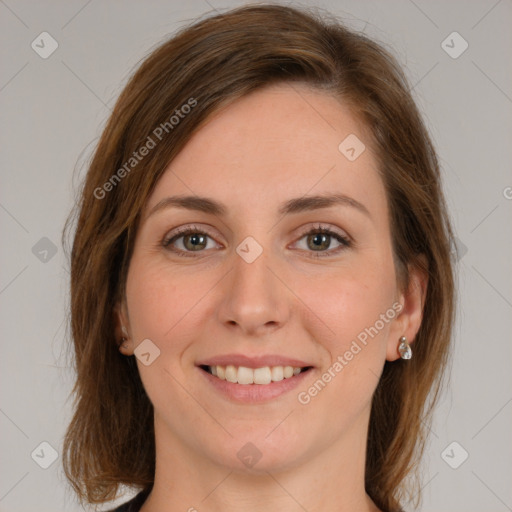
<point x="275" y="143"/>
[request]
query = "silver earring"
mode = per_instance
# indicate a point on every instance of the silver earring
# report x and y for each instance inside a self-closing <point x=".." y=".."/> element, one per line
<point x="123" y="343"/>
<point x="404" y="349"/>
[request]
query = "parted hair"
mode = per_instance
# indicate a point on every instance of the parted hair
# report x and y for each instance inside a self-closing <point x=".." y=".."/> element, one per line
<point x="216" y="60"/>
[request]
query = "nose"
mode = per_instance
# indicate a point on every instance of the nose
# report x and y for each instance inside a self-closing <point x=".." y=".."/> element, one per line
<point x="254" y="298"/>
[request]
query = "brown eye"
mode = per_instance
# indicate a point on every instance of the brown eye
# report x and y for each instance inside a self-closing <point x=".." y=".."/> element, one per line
<point x="187" y="240"/>
<point x="194" y="242"/>
<point x="319" y="241"/>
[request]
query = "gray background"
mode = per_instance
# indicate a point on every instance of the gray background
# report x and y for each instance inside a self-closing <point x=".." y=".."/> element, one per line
<point x="54" y="109"/>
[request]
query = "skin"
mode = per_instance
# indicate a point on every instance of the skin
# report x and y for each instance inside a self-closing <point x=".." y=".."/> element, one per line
<point x="278" y="143"/>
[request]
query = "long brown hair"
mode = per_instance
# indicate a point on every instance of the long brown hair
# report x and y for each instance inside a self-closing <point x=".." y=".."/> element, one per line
<point x="208" y="65"/>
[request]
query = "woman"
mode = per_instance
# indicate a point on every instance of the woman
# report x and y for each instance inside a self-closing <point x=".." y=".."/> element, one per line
<point x="261" y="284"/>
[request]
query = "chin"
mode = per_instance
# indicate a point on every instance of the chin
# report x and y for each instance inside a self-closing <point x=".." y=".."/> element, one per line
<point x="253" y="454"/>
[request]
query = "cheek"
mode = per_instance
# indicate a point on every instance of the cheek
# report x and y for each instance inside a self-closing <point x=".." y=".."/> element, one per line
<point x="349" y="303"/>
<point x="356" y="311"/>
<point x="159" y="300"/>
<point x="162" y="307"/>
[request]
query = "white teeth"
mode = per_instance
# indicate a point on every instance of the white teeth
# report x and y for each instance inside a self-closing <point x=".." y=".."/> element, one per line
<point x="231" y="373"/>
<point x="262" y="375"/>
<point x="277" y="373"/>
<point x="288" y="372"/>
<point x="244" y="375"/>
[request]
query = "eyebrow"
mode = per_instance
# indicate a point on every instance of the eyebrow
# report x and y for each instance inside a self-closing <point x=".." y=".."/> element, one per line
<point x="296" y="205"/>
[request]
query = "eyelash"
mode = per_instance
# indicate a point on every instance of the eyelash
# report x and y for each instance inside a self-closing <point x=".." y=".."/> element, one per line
<point x="344" y="241"/>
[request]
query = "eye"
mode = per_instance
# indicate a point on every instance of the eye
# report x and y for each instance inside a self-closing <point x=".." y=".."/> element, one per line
<point x="189" y="239"/>
<point x="186" y="240"/>
<point x="319" y="239"/>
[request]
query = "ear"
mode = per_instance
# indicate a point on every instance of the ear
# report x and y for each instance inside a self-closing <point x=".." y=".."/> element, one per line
<point x="122" y="329"/>
<point x="408" y="321"/>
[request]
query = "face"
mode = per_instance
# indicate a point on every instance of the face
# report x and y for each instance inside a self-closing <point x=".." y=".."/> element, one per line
<point x="269" y="280"/>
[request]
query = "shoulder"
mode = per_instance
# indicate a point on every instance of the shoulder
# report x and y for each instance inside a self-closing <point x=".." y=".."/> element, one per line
<point x="135" y="504"/>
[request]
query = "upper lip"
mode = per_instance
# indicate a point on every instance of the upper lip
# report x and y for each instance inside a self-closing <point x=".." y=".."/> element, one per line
<point x="253" y="362"/>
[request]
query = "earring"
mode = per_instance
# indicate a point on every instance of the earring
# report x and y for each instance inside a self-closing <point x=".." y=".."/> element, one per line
<point x="404" y="349"/>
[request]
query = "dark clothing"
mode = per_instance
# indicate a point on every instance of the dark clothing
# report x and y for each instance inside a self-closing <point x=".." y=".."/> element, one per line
<point x="135" y="504"/>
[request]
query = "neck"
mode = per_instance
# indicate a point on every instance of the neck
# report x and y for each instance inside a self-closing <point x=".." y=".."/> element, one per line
<point x="330" y="480"/>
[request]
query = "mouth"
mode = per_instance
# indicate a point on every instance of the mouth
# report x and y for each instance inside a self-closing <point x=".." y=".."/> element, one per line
<point x="254" y="376"/>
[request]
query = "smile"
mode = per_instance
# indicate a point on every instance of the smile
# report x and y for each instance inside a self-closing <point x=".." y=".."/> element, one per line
<point x="246" y="376"/>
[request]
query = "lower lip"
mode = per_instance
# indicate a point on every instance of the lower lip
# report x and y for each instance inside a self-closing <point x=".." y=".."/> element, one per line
<point x="254" y="393"/>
